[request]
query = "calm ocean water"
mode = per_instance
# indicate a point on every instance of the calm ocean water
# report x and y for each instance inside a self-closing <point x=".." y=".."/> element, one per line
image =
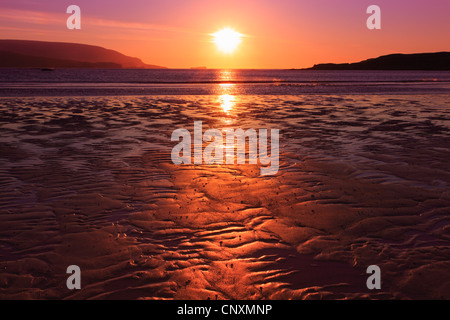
<point x="75" y="82"/>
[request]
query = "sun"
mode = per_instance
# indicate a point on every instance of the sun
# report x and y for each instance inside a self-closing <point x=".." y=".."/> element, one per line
<point x="227" y="40"/>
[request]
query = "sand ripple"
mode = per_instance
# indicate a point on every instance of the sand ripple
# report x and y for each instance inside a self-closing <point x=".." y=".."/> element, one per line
<point x="88" y="181"/>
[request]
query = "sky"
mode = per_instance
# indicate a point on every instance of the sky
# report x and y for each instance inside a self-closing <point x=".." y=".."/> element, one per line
<point x="277" y="33"/>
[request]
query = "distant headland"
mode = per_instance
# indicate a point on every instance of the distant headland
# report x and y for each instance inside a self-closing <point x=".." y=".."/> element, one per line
<point x="416" y="61"/>
<point x="43" y="54"/>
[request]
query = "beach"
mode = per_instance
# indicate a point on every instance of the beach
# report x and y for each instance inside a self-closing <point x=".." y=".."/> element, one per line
<point x="88" y="180"/>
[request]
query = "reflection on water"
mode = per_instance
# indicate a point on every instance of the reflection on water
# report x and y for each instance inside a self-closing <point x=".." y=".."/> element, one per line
<point x="224" y="75"/>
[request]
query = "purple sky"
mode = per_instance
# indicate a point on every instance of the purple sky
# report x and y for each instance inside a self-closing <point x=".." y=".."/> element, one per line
<point x="279" y="34"/>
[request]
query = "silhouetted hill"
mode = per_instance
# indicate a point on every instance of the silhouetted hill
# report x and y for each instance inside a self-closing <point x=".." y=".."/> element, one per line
<point x="417" y="61"/>
<point x="27" y="53"/>
<point x="14" y="60"/>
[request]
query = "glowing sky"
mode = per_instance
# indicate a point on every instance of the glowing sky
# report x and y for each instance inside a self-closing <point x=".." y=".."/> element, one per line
<point x="278" y="34"/>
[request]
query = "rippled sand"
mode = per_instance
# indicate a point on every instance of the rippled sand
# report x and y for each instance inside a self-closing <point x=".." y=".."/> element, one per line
<point x="363" y="180"/>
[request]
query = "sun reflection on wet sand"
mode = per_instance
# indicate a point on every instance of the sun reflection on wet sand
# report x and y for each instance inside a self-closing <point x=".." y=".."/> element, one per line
<point x="227" y="102"/>
<point x="226" y="99"/>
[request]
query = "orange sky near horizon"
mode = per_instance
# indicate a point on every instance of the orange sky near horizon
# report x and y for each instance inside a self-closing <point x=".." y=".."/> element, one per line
<point x="278" y="34"/>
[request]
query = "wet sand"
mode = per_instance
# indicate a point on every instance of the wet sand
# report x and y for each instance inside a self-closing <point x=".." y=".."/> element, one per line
<point x="363" y="180"/>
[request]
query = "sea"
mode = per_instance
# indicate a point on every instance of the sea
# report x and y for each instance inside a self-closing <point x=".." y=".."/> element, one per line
<point x="107" y="82"/>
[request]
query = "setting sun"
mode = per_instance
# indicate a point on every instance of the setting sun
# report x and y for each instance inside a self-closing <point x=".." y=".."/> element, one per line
<point x="227" y="40"/>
